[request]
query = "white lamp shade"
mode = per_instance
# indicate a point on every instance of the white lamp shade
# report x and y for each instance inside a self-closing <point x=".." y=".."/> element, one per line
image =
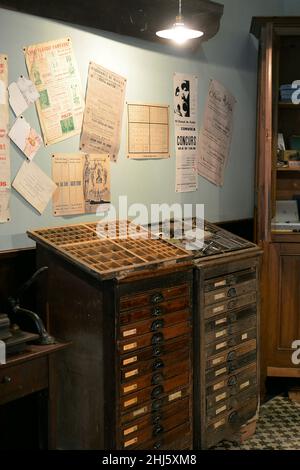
<point x="179" y="33"/>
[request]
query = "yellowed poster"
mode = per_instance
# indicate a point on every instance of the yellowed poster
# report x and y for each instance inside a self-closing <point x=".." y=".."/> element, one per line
<point x="83" y="183"/>
<point x="4" y="142"/>
<point x="102" y="122"/>
<point x="148" y="131"/>
<point x="53" y="69"/>
<point x="216" y="133"/>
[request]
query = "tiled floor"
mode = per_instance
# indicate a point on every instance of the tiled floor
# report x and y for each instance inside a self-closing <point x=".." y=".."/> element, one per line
<point x="278" y="428"/>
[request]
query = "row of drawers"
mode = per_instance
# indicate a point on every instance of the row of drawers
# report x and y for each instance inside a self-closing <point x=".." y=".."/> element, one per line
<point x="230" y="352"/>
<point x="154" y="344"/>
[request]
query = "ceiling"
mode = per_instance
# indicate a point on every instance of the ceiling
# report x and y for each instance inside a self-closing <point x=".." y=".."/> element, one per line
<point x="136" y="18"/>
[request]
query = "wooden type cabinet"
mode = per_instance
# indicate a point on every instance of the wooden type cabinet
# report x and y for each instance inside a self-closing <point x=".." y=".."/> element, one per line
<point x="126" y="382"/>
<point x="226" y="391"/>
<point x="279" y="49"/>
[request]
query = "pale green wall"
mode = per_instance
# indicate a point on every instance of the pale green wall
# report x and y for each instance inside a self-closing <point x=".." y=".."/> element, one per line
<point x="230" y="57"/>
<point x="291" y="7"/>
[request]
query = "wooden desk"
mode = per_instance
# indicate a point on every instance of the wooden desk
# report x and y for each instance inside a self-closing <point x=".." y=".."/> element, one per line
<point x="31" y="372"/>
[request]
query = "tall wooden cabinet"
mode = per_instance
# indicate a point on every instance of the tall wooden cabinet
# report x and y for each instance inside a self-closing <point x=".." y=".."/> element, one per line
<point x="279" y="52"/>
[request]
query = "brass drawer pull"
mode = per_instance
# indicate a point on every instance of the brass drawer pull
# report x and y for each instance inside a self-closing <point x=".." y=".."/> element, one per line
<point x="158" y="430"/>
<point x="6" y="379"/>
<point x="158" y="364"/>
<point x="156" y="405"/>
<point x="233" y="417"/>
<point x="157" y="351"/>
<point x="231" y="356"/>
<point x="157" y="311"/>
<point x="157" y="298"/>
<point x="157" y="339"/>
<point x="232" y="381"/>
<point x="157" y="392"/>
<point x="232" y="292"/>
<point x="156" y="418"/>
<point x="157" y="325"/>
<point x="157" y="445"/>
<point x="157" y="379"/>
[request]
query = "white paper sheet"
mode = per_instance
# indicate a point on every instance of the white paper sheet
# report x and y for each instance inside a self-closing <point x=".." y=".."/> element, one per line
<point x="53" y="69"/>
<point x="25" y="137"/>
<point x="186" y="131"/>
<point x="21" y="95"/>
<point x="102" y="122"/>
<point x="4" y="143"/>
<point x="34" y="185"/>
<point x="83" y="182"/>
<point x="216" y="134"/>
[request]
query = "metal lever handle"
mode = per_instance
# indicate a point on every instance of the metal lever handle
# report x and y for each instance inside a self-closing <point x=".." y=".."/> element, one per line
<point x="156" y="379"/>
<point x="158" y="364"/>
<point x="157" y="325"/>
<point x="157" y="392"/>
<point x="157" y="430"/>
<point x="157" y="298"/>
<point x="157" y="339"/>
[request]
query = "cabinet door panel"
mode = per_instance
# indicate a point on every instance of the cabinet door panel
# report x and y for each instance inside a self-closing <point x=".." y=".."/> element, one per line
<point x="289" y="310"/>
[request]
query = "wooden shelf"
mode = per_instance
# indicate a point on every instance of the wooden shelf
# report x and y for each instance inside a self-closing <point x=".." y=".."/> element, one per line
<point x="288" y="169"/>
<point x="283" y="105"/>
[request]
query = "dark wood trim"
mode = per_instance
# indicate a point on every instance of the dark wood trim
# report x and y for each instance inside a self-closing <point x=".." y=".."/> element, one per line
<point x="286" y="25"/>
<point x="136" y="18"/>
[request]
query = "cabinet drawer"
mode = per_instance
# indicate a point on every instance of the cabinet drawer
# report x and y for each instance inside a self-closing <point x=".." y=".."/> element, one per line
<point x="151" y="407"/>
<point x="154" y="427"/>
<point x="233" y="403"/>
<point x="18" y="381"/>
<point x="153" y="325"/>
<point x="158" y="377"/>
<point x="229" y="280"/>
<point x="230" y="361"/>
<point x="155" y="339"/>
<point x="146" y="358"/>
<point x="230" y="324"/>
<point x="231" y="385"/>
<point x="229" y="305"/>
<point x="229" y="318"/>
<point x="237" y="290"/>
<point x="153" y="418"/>
<point x="226" y="343"/>
<point x="155" y="311"/>
<point x="156" y="393"/>
<point x="153" y="297"/>
<point x="180" y="437"/>
<point x="155" y="364"/>
<point x="225" y="426"/>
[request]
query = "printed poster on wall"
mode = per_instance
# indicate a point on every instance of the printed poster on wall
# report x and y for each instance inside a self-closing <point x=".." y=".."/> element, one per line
<point x="216" y="134"/>
<point x="53" y="69"/>
<point x="102" y="121"/>
<point x="83" y="183"/>
<point x="34" y="185"/>
<point x="186" y="131"/>
<point x="148" y="131"/>
<point x="4" y="143"/>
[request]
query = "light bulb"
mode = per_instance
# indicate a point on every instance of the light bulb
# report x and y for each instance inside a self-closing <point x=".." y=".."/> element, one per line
<point x="179" y="32"/>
